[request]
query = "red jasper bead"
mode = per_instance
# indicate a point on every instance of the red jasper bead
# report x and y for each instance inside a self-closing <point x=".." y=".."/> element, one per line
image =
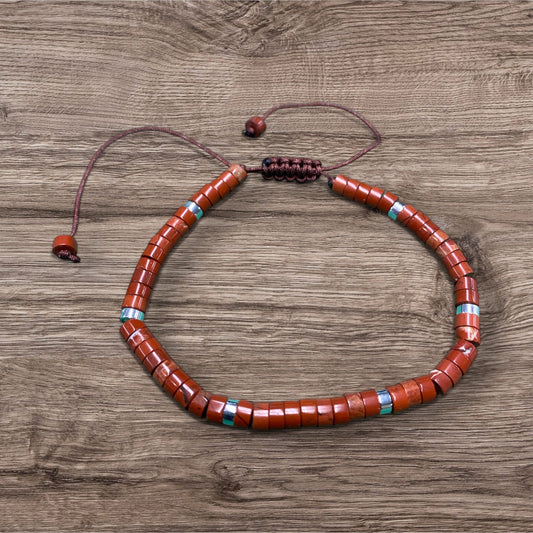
<point x="64" y="242"/>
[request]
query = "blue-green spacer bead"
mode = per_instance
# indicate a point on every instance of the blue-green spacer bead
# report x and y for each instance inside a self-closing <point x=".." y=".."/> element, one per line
<point x="230" y="410"/>
<point x="195" y="209"/>
<point x="385" y="402"/>
<point x="472" y="309"/>
<point x="395" y="210"/>
<point x="128" y="313"/>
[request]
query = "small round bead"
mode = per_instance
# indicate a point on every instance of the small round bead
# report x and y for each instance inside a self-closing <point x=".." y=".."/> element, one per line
<point x="65" y="242"/>
<point x="254" y="127"/>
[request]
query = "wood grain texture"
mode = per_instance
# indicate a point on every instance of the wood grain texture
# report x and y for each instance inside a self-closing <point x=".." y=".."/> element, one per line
<point x="282" y="291"/>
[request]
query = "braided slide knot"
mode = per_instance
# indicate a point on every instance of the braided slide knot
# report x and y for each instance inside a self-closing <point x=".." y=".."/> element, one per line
<point x="291" y="169"/>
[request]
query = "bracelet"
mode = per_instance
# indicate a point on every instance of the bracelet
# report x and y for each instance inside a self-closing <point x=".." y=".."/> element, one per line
<point x="306" y="412"/>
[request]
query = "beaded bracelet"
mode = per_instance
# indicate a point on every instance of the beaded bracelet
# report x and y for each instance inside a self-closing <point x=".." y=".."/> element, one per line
<point x="306" y="412"/>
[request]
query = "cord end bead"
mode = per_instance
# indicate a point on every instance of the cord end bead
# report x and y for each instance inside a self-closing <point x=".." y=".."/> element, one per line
<point x="65" y="247"/>
<point x="254" y="127"/>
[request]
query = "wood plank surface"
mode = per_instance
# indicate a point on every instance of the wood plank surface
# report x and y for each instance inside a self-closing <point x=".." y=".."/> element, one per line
<point x="282" y="291"/>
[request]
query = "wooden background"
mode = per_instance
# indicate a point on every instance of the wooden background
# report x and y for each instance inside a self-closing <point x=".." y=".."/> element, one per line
<point x="282" y="291"/>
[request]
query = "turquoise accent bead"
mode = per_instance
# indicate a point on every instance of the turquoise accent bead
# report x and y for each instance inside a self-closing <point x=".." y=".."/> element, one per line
<point x="395" y="210"/>
<point x="385" y="402"/>
<point x="230" y="410"/>
<point x="471" y="309"/>
<point x="195" y="209"/>
<point x="128" y="313"/>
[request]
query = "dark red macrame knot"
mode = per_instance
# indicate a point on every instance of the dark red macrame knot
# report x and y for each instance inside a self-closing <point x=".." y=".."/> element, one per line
<point x="291" y="169"/>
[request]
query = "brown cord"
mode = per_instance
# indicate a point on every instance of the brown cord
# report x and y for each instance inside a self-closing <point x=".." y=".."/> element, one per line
<point x="279" y="168"/>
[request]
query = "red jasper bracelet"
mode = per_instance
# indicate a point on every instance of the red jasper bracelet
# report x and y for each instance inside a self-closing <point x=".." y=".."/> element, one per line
<point x="306" y="412"/>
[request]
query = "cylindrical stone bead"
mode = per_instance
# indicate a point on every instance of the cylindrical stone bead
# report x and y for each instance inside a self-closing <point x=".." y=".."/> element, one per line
<point x="416" y="221"/>
<point x="179" y="224"/>
<point x="138" y="337"/>
<point x="146" y="347"/>
<point x="405" y="214"/>
<point x="350" y="189"/>
<point x="339" y="183"/>
<point x="243" y="416"/>
<point x="400" y="399"/>
<point x="175" y="381"/>
<point x="254" y="127"/>
<point x="371" y="401"/>
<point x="143" y="276"/>
<point x="362" y="193"/>
<point x="215" y="408"/>
<point x="210" y="193"/>
<point x="221" y="187"/>
<point x="386" y="202"/>
<point x="155" y="252"/>
<point x="276" y="415"/>
<point x="427" y="388"/>
<point x="341" y="411"/>
<point x="135" y="302"/>
<point x="374" y="196"/>
<point x="154" y="359"/>
<point x="230" y="180"/>
<point x="466" y="347"/>
<point x="238" y="171"/>
<point x="451" y="370"/>
<point x="447" y="247"/>
<point x="325" y="412"/>
<point x="186" y="392"/>
<point x="459" y="359"/>
<point x="468" y="283"/>
<point x="64" y="242"/>
<point x="186" y="215"/>
<point x="162" y="242"/>
<point x="414" y="395"/>
<point x="356" y="405"/>
<point x="466" y="296"/>
<point x="201" y="201"/>
<point x="139" y="289"/>
<point x="198" y="405"/>
<point x="441" y="380"/>
<point x="436" y="239"/>
<point x="453" y="258"/>
<point x="164" y="370"/>
<point x="130" y="327"/>
<point x="293" y="417"/>
<point x="260" y="416"/>
<point x="172" y="235"/>
<point x="467" y="319"/>
<point x="426" y="231"/>
<point x="308" y="409"/>
<point x="460" y="270"/>
<point x="468" y="333"/>
<point x="146" y="263"/>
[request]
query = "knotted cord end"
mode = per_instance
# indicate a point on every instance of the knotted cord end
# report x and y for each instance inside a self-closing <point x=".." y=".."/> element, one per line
<point x="291" y="169"/>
